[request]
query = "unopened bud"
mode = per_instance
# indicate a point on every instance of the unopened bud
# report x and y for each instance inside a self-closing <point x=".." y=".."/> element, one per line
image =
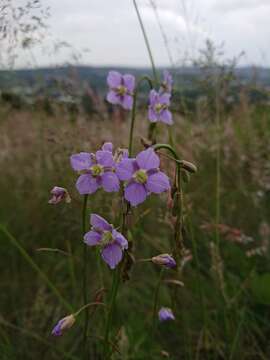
<point x="63" y="325"/>
<point x="164" y="260"/>
<point x="188" y="166"/>
<point x="59" y="194"/>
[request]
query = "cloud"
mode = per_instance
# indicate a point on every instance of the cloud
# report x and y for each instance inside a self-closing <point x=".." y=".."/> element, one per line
<point x="239" y="5"/>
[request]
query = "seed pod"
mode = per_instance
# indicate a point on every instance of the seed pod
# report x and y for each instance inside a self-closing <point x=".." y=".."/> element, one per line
<point x="188" y="166"/>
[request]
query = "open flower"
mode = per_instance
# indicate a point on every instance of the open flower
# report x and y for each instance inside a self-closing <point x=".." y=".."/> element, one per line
<point x="59" y="194"/>
<point x="121" y="89"/>
<point x="164" y="260"/>
<point x="158" y="107"/>
<point x="165" y="314"/>
<point x="63" y="325"/>
<point x="111" y="242"/>
<point x="97" y="170"/>
<point x="166" y="85"/>
<point x="143" y="176"/>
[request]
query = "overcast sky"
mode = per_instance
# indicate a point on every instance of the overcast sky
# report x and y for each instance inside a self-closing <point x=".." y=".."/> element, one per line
<point x="109" y="29"/>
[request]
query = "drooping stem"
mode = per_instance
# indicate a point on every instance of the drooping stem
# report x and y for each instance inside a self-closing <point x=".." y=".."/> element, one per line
<point x="85" y="271"/>
<point x="134" y="108"/>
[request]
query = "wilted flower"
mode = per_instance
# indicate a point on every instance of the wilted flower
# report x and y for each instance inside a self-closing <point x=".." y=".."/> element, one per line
<point x="97" y="170"/>
<point x="143" y="176"/>
<point x="112" y="242"/>
<point x="63" y="325"/>
<point x="166" y="85"/>
<point x="59" y="194"/>
<point x="118" y="155"/>
<point x="158" y="107"/>
<point x="165" y="314"/>
<point x="164" y="260"/>
<point x="121" y="89"/>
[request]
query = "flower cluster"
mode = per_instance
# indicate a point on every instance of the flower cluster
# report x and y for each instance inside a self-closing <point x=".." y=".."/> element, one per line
<point x="111" y="242"/>
<point x="141" y="175"/>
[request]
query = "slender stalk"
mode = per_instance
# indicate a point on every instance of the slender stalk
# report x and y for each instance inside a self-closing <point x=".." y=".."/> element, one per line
<point x="155" y="306"/>
<point x="133" y="112"/>
<point x="146" y="41"/>
<point x="34" y="266"/>
<point x="85" y="273"/>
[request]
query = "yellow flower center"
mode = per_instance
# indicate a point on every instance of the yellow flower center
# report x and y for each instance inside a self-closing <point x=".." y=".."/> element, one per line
<point x="106" y="238"/>
<point x="121" y="90"/>
<point x="96" y="170"/>
<point x="159" y="107"/>
<point x="141" y="176"/>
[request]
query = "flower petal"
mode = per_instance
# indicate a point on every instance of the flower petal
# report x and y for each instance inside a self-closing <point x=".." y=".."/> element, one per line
<point x="107" y="146"/>
<point x="152" y="115"/>
<point x="104" y="158"/>
<point x="114" y="79"/>
<point x="92" y="238"/>
<point x="148" y="159"/>
<point x="81" y="161"/>
<point x="166" y="117"/>
<point x="125" y="169"/>
<point x="86" y="184"/>
<point x="120" y="239"/>
<point x="99" y="223"/>
<point x="113" y="98"/>
<point x="135" y="193"/>
<point x="165" y="99"/>
<point x="153" y="97"/>
<point x="112" y="254"/>
<point x="129" y="82"/>
<point x="158" y="182"/>
<point x="127" y="102"/>
<point x="110" y="181"/>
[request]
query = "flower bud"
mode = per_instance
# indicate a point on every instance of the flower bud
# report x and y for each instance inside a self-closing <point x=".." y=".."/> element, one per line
<point x="63" y="325"/>
<point x="59" y="194"/>
<point x="165" y="314"/>
<point x="188" y="166"/>
<point x="164" y="260"/>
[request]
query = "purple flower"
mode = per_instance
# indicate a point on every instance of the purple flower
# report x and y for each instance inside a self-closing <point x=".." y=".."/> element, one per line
<point x="143" y="176"/>
<point x="97" y="170"/>
<point x="59" y="194"/>
<point x="164" y="260"/>
<point x="158" y="107"/>
<point x="166" y="85"/>
<point x="121" y="89"/>
<point x="112" y="242"/>
<point x="165" y="314"/>
<point x="63" y="324"/>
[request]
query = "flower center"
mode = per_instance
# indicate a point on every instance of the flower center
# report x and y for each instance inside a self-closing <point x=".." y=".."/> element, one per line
<point x="141" y="176"/>
<point x="106" y="238"/>
<point x="159" y="107"/>
<point x="96" y="170"/>
<point x="121" y="90"/>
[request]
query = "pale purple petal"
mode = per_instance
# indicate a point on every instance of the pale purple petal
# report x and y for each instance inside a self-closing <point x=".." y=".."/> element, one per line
<point x="113" y="98"/>
<point x="112" y="254"/>
<point x="104" y="158"/>
<point x="107" y="146"/>
<point x="92" y="238"/>
<point x="135" y="193"/>
<point x="153" y="97"/>
<point x="129" y="82"/>
<point x="125" y="169"/>
<point x="81" y="161"/>
<point x="152" y="115"/>
<point x="86" y="184"/>
<point x="127" y="102"/>
<point x="158" y="183"/>
<point x="110" y="181"/>
<point x="165" y="99"/>
<point x="120" y="239"/>
<point x="166" y="117"/>
<point x="114" y="79"/>
<point x="165" y="314"/>
<point x="148" y="159"/>
<point x="99" y="223"/>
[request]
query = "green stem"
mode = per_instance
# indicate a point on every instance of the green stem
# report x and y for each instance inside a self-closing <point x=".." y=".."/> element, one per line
<point x="34" y="266"/>
<point x="146" y="41"/>
<point x="133" y="112"/>
<point x="156" y="301"/>
<point x="85" y="274"/>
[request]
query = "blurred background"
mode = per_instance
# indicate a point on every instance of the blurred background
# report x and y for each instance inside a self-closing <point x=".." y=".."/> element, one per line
<point x="54" y="61"/>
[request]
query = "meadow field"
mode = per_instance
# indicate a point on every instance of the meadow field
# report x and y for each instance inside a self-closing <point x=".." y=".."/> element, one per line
<point x="220" y="290"/>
